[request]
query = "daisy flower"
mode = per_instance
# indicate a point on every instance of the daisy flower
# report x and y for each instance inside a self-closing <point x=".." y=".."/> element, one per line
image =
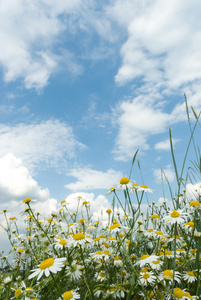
<point x="125" y="183"/>
<point x="47" y="266"/>
<point x="175" y="216"/>
<point x="144" y="188"/>
<point x="167" y="276"/>
<point x="156" y="264"/>
<point x="72" y="295"/>
<point x="146" y="259"/>
<point x="74" y="271"/>
<point x="147" y="278"/>
<point x="194" y="205"/>
<point x="189" y="276"/>
<point x="79" y="238"/>
<point x="60" y="243"/>
<point x="181" y="294"/>
<point x="134" y="188"/>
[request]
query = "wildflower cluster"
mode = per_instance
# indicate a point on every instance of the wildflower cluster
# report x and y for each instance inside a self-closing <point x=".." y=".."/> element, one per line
<point x="127" y="257"/>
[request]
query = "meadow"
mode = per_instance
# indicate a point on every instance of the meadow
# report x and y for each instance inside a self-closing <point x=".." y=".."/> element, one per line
<point x="134" y="255"/>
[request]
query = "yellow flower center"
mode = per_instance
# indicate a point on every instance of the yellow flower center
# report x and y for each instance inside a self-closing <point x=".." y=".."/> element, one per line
<point x="146" y="275"/>
<point x="108" y="211"/>
<point x="47" y="263"/>
<point x="144" y="256"/>
<point x="12" y="218"/>
<point x="27" y="200"/>
<point x="115" y="225"/>
<point x="102" y="236"/>
<point x="79" y="236"/>
<point x="124" y="180"/>
<point x="155" y="217"/>
<point x="63" y="201"/>
<point x="158" y="232"/>
<point x="191" y="224"/>
<point x="99" y="252"/>
<point x="167" y="252"/>
<point x="194" y="203"/>
<point x="62" y="242"/>
<point x="85" y="202"/>
<point x="190" y="273"/>
<point x="175" y="214"/>
<point x="18" y="292"/>
<point x="81" y="221"/>
<point x="178" y="293"/>
<point x="156" y="262"/>
<point x="102" y="274"/>
<point x="135" y="184"/>
<point x="150" y="294"/>
<point x="67" y="295"/>
<point x="167" y="275"/>
<point x="144" y="186"/>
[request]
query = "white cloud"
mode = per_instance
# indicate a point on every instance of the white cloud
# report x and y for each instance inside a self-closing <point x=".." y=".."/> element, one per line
<point x="28" y="33"/>
<point x="16" y="181"/>
<point x="88" y="179"/>
<point x="169" y="174"/>
<point x="49" y="142"/>
<point x="165" y="145"/>
<point x="137" y="120"/>
<point x="156" y="48"/>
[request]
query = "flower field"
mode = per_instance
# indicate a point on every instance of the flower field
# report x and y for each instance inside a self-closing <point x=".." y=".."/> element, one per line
<point x="135" y="254"/>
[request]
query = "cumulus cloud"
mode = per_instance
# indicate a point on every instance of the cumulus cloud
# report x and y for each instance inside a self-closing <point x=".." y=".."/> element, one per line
<point x="48" y="142"/>
<point x="169" y="174"/>
<point x="137" y="120"/>
<point x="165" y="145"/>
<point x="16" y="181"/>
<point x="156" y="48"/>
<point x="89" y="179"/>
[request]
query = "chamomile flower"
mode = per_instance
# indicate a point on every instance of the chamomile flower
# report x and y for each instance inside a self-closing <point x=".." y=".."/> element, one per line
<point x="175" y="216"/>
<point x="181" y="294"/>
<point x="60" y="244"/>
<point x="73" y="271"/>
<point x="125" y="183"/>
<point x="167" y="276"/>
<point x="147" y="278"/>
<point x="144" y="188"/>
<point x="156" y="264"/>
<point x="146" y="259"/>
<point x="71" y="295"/>
<point x="47" y="266"/>
<point x="189" y="276"/>
<point x="79" y="238"/>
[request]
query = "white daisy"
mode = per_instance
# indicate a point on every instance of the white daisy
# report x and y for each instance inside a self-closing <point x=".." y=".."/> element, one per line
<point x="147" y="278"/>
<point x="146" y="259"/>
<point x="189" y="276"/>
<point x="79" y="238"/>
<point x="72" y="295"/>
<point x="175" y="216"/>
<point x="47" y="266"/>
<point x="167" y="276"/>
<point x="74" y="271"/>
<point x="125" y="183"/>
<point x="144" y="188"/>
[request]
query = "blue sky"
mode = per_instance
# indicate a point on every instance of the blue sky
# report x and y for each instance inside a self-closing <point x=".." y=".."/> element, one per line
<point x="84" y="84"/>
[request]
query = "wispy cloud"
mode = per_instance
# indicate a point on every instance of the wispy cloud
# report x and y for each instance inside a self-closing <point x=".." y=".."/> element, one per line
<point x="49" y="143"/>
